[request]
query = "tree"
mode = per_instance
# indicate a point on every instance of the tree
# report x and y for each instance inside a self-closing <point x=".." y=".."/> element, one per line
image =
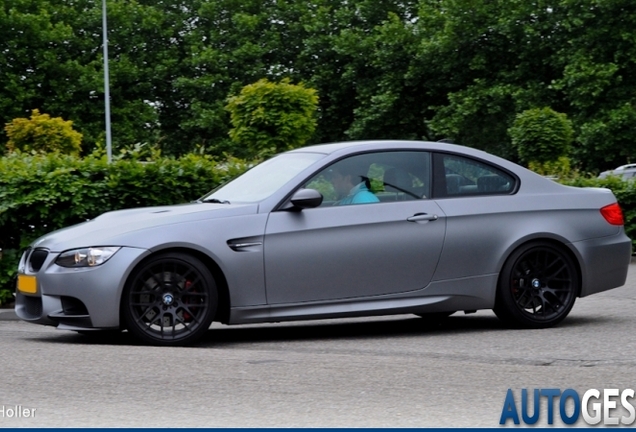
<point x="408" y="69"/>
<point x="42" y="133"/>
<point x="51" y="56"/>
<point x="42" y="64"/>
<point x="328" y="44"/>
<point x="484" y="62"/>
<point x="268" y="118"/>
<point x="388" y="103"/>
<point x="598" y="79"/>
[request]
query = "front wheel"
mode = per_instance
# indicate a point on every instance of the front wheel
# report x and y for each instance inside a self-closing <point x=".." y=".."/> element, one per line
<point x="170" y="300"/>
<point x="537" y="286"/>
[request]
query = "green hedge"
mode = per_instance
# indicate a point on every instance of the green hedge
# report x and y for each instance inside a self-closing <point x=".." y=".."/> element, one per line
<point x="41" y="193"/>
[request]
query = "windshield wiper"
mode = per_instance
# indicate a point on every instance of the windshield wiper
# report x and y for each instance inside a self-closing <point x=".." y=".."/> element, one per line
<point x="216" y="201"/>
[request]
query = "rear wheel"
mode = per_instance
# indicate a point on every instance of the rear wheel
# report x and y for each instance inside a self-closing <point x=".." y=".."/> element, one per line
<point x="170" y="300"/>
<point x="537" y="286"/>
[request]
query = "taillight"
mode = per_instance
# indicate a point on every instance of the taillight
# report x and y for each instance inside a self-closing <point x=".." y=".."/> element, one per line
<point x="613" y="214"/>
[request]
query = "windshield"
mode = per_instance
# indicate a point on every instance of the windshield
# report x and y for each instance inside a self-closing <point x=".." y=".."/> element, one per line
<point x="264" y="179"/>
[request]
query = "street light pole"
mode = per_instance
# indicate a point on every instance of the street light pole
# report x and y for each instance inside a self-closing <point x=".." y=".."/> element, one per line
<point x="109" y="150"/>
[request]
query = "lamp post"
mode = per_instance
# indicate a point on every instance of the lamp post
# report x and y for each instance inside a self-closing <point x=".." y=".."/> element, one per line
<point x="109" y="150"/>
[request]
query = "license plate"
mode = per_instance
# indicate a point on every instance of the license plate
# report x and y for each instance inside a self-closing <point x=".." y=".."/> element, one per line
<point x="27" y="284"/>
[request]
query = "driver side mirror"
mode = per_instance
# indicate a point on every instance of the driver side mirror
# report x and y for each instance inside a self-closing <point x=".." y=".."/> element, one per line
<point x="306" y="198"/>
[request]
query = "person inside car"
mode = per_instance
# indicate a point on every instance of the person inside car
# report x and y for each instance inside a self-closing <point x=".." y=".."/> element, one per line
<point x="350" y="187"/>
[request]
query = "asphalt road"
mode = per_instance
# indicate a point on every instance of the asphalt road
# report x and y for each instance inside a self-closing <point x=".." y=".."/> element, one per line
<point x="383" y="372"/>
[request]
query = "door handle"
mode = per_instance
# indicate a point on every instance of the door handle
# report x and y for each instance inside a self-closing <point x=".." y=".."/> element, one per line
<point x="418" y="217"/>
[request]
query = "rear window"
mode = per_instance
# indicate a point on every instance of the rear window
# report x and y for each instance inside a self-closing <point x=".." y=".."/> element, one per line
<point x="461" y="176"/>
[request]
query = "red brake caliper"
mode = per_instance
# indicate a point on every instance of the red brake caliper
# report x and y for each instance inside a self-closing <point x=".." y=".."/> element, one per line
<point x="186" y="287"/>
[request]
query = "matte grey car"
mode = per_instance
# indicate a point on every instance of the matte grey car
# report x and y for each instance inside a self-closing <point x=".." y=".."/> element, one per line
<point x="442" y="228"/>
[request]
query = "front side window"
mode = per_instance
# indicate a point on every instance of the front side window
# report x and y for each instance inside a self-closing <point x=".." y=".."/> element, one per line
<point x="373" y="178"/>
<point x="461" y="176"/>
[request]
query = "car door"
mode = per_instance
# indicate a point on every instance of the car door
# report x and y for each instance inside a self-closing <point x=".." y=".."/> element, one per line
<point x="369" y="249"/>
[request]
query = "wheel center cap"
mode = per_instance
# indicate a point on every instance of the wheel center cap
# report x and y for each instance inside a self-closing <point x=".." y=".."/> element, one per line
<point x="536" y="283"/>
<point x="168" y="299"/>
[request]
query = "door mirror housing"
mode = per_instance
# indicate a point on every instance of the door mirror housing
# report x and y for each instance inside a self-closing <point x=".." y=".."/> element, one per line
<point x="306" y="198"/>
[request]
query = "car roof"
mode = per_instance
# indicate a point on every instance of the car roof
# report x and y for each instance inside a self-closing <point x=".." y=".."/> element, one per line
<point x="387" y="144"/>
<point x="350" y="147"/>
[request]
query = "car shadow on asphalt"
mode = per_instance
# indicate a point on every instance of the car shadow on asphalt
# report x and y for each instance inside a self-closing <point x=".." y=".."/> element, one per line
<point x="407" y="326"/>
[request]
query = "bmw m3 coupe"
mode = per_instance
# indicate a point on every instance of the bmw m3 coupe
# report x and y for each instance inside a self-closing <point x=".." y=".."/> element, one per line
<point x="336" y="230"/>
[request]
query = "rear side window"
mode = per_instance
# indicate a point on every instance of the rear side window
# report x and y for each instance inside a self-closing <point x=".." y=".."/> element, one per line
<point x="460" y="176"/>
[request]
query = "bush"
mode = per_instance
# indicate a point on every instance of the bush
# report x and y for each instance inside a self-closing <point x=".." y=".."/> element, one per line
<point x="541" y="135"/>
<point x="268" y="118"/>
<point x="41" y="133"/>
<point x="559" y="168"/>
<point x="44" y="192"/>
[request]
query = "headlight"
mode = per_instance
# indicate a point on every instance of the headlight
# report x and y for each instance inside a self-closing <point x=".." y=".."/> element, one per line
<point x="86" y="257"/>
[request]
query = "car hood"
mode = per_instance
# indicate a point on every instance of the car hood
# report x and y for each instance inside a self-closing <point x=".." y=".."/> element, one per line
<point x="104" y="229"/>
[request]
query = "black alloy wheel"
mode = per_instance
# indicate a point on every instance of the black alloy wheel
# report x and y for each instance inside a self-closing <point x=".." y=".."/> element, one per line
<point x="170" y="300"/>
<point x="537" y="287"/>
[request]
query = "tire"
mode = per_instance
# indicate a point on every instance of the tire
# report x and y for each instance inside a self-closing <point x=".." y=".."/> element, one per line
<point x="170" y="300"/>
<point x="538" y="286"/>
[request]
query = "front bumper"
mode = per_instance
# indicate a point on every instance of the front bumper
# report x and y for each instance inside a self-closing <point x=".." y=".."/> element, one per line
<point x="74" y="298"/>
